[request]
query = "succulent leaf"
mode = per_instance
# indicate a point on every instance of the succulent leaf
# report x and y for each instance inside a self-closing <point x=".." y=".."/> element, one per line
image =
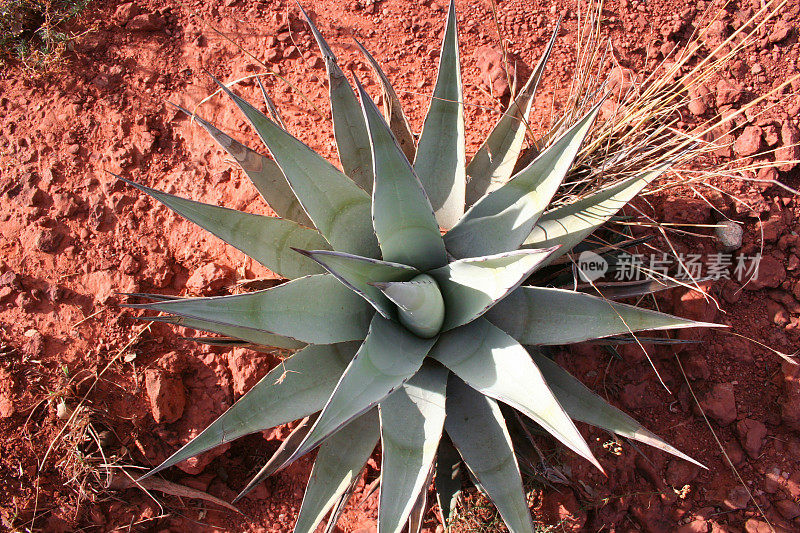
<point x="265" y="174"/>
<point x="419" y="302"/>
<point x="349" y="128"/>
<point x="296" y="388"/>
<point x="251" y="336"/>
<point x="338" y="464"/>
<point x="494" y="364"/>
<point x="503" y="219"/>
<point x="392" y="109"/>
<point x="338" y="207"/>
<point x="293" y="310"/>
<point x="417" y="516"/>
<point x="271" y="107"/>
<point x="494" y="162"/>
<point x="470" y="287"/>
<point x="585" y="406"/>
<point x="389" y="357"/>
<point x="401" y="212"/>
<point x="440" y="156"/>
<point x="569" y="224"/>
<point x="541" y="316"/>
<point x="339" y="506"/>
<point x="360" y="273"/>
<point x="478" y="431"/>
<point x="447" y="480"/>
<point x="288" y="446"/>
<point x="412" y="418"/>
<point x="268" y="240"/>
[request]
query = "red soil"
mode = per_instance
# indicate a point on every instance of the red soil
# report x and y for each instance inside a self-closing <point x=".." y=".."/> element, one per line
<point x="72" y="237"/>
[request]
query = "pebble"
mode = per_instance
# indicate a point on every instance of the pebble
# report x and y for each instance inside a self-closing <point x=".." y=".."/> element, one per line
<point x="751" y="434"/>
<point x="729" y="235"/>
<point x="780" y="31"/>
<point x="728" y="92"/>
<point x="146" y="22"/>
<point x="749" y="142"/>
<point x="790" y="398"/>
<point x="47" y="240"/>
<point x="166" y="394"/>
<point x="720" y="404"/>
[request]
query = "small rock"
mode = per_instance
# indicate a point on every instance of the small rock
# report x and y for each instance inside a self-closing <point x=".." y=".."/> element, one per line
<point x="146" y="22"/>
<point x="290" y="52"/>
<point x="777" y="313"/>
<point x="751" y="434"/>
<point x="771" y="273"/>
<point x="696" y="367"/>
<point x="780" y="31"/>
<point x="720" y="404"/>
<point x="788" y="509"/>
<point x="680" y="472"/>
<point x="34" y="346"/>
<point x="728" y="92"/>
<point x="490" y="62"/>
<point x="694" y="305"/>
<point x="790" y="147"/>
<point x="790" y="399"/>
<point x="749" y="142"/>
<point x="699" y="98"/>
<point x="64" y="205"/>
<point x="208" y="279"/>
<point x="126" y="12"/>
<point x="47" y="240"/>
<point x="166" y="394"/>
<point x="757" y="526"/>
<point x="695" y="526"/>
<point x="729" y="235"/>
<point x="6" y="407"/>
<point x="738" y="498"/>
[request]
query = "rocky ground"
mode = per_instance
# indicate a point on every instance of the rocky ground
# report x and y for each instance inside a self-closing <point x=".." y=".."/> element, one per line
<point x="79" y="375"/>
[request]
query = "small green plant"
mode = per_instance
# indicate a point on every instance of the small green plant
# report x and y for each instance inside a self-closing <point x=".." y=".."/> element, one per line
<point x="415" y="296"/>
<point x="32" y="31"/>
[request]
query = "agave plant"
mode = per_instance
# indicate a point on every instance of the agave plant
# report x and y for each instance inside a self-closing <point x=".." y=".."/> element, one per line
<point x="410" y="299"/>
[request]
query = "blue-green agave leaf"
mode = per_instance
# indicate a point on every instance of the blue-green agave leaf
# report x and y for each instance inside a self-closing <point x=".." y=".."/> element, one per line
<point x="265" y="174"/>
<point x="271" y="107"/>
<point x="288" y="446"/>
<point x="478" y="431"/>
<point x="360" y="273"/>
<point x="296" y="388"/>
<point x="339" y="461"/>
<point x="541" y="316"/>
<point x="470" y="287"/>
<point x="401" y="213"/>
<point x="440" y="157"/>
<point x="339" y="208"/>
<point x="496" y="365"/>
<point x="585" y="406"/>
<point x="314" y="309"/>
<point x="503" y="219"/>
<point x="349" y="128"/>
<point x="412" y="418"/>
<point x="570" y="224"/>
<point x="389" y="357"/>
<point x="393" y="109"/>
<point x="447" y="480"/>
<point x="493" y="163"/>
<point x="251" y="336"/>
<point x="267" y="240"/>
